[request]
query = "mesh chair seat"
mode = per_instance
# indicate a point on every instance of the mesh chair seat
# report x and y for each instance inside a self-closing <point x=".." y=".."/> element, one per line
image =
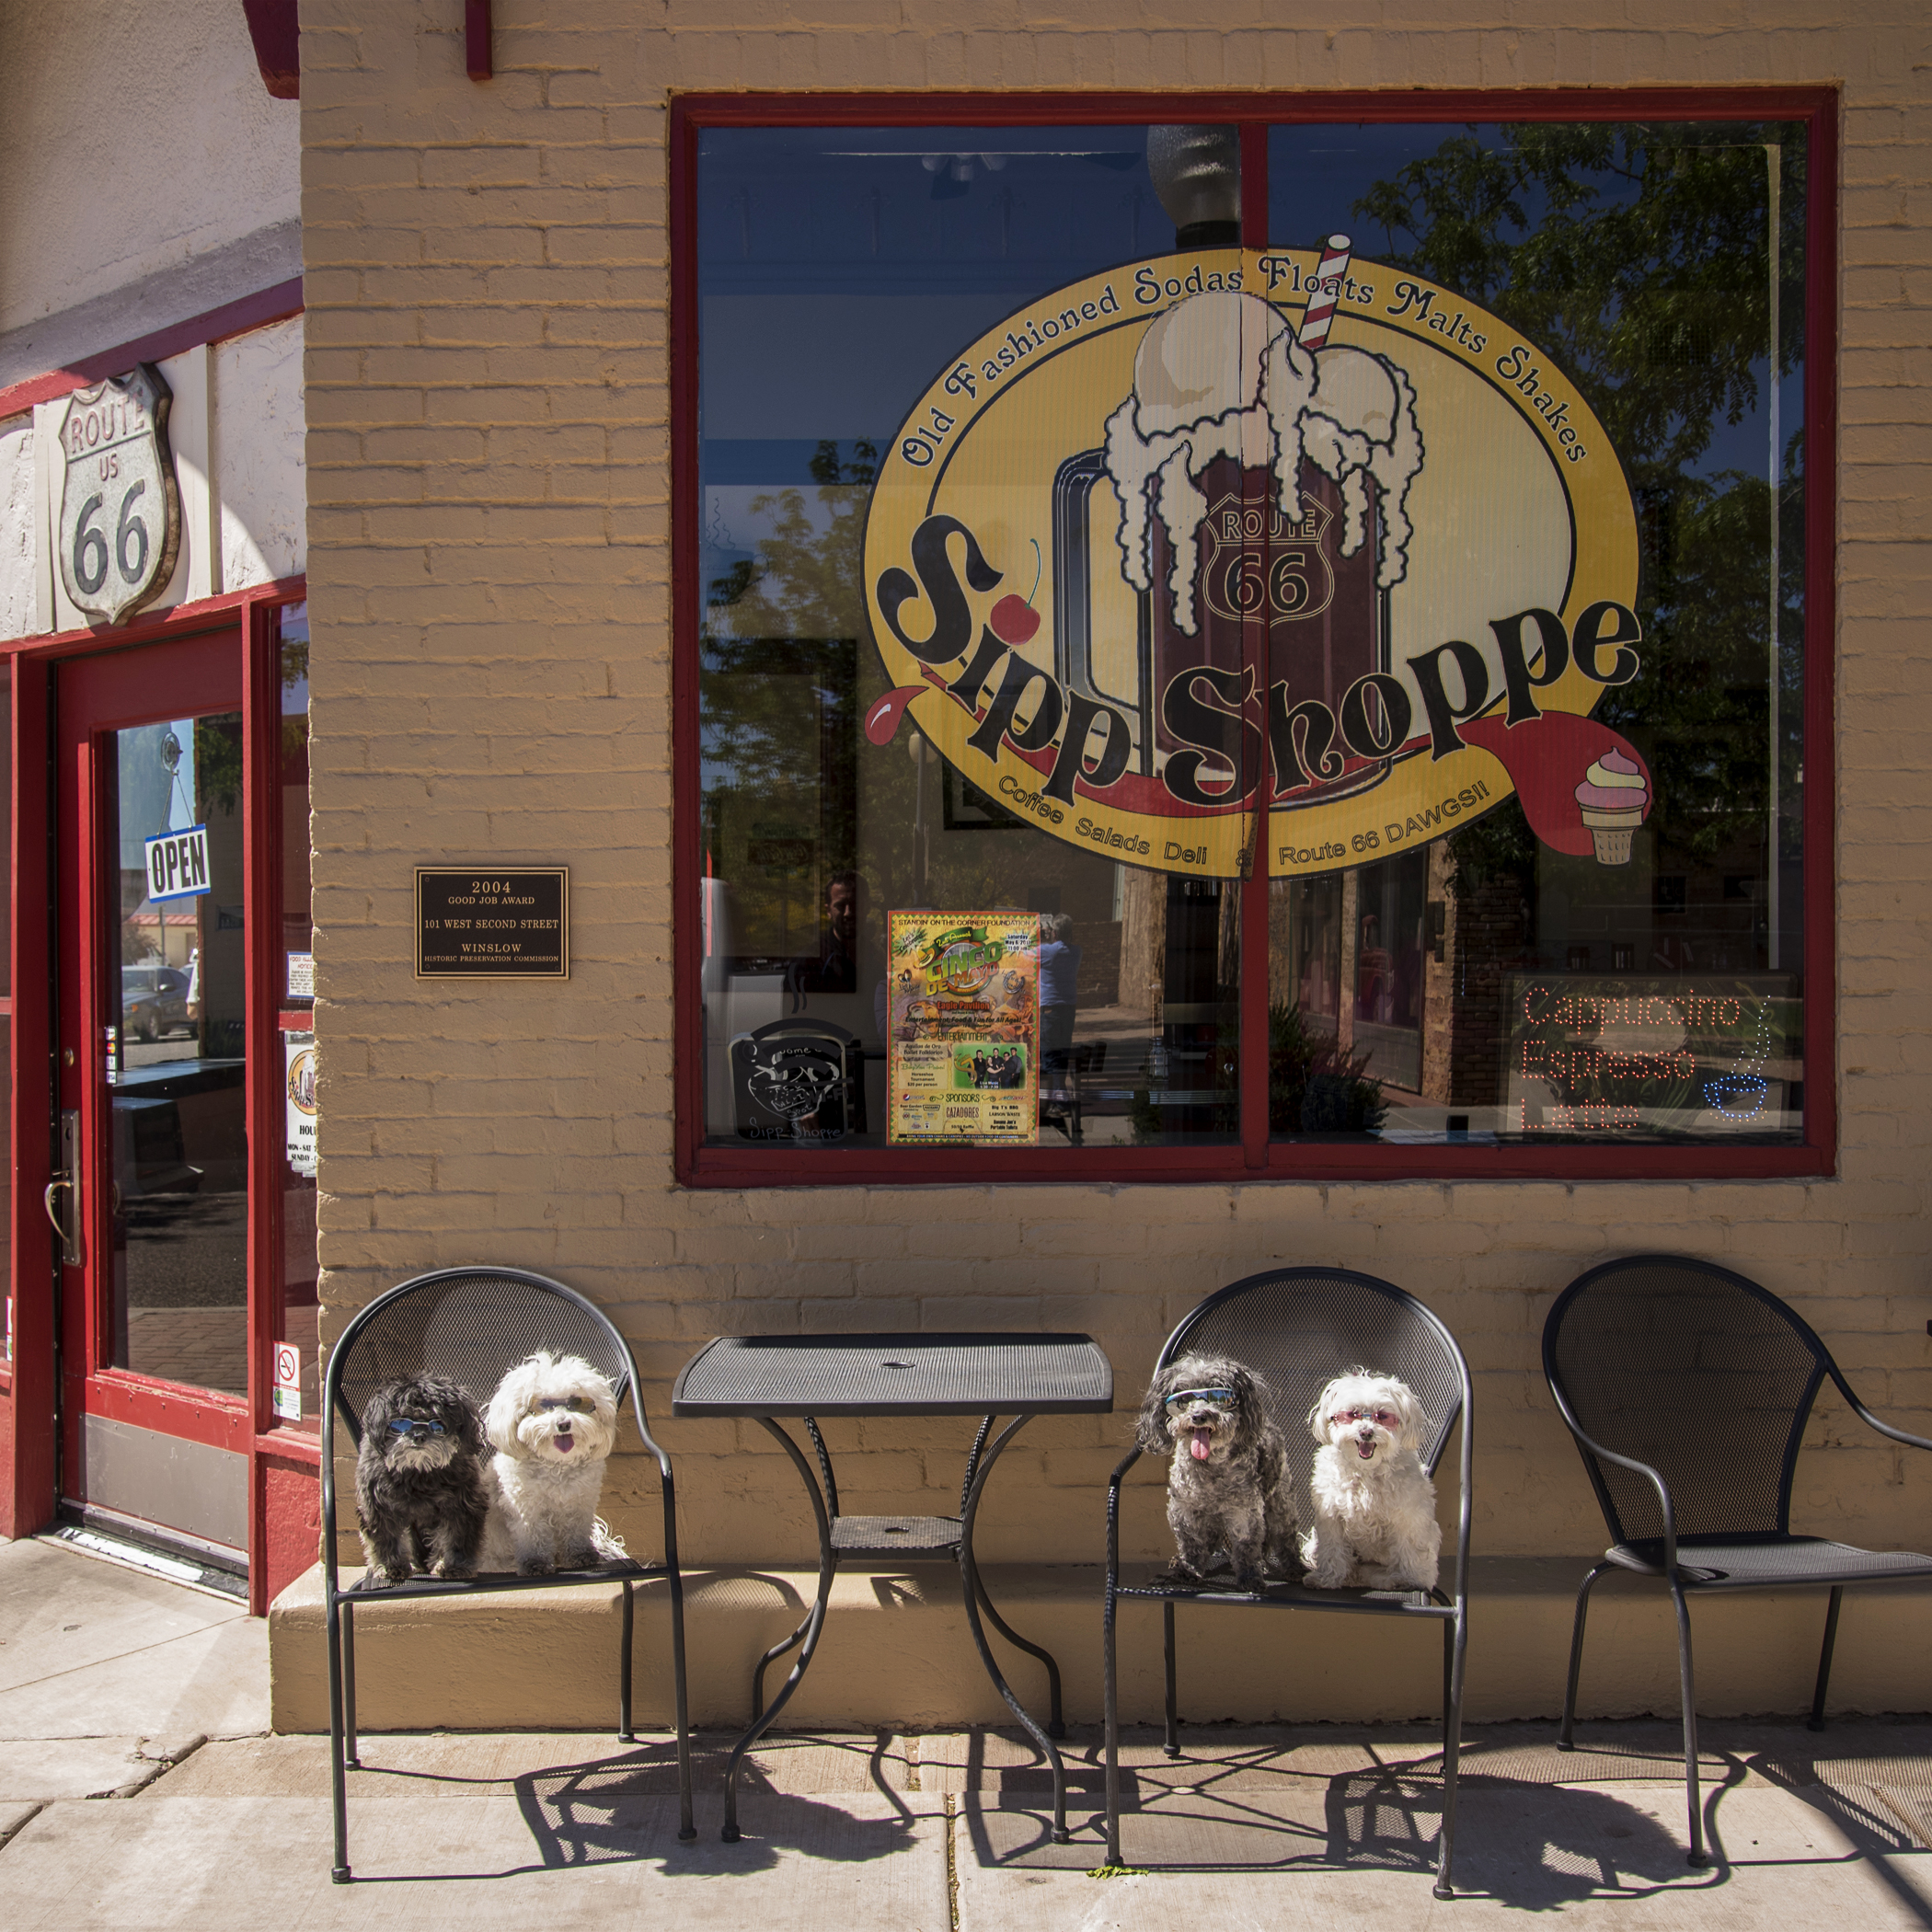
<point x="1713" y="1563"/>
<point x="1633" y="1351"/>
<point x="1298" y="1328"/>
<point x="1287" y="1596"/>
<point x="472" y="1325"/>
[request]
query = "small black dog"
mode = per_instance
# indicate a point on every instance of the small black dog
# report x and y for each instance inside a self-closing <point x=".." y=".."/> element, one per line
<point x="1228" y="1482"/>
<point x="418" y="1481"/>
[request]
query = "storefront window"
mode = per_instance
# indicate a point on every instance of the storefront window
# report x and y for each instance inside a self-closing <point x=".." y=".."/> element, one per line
<point x="1098" y="555"/>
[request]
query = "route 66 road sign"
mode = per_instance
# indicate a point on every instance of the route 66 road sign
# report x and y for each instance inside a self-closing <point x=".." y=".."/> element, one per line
<point x="121" y="510"/>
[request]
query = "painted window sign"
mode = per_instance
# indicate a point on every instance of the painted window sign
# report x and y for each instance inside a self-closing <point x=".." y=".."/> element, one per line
<point x="119" y="524"/>
<point x="1273" y="454"/>
<point x="177" y="864"/>
<point x="1359" y="596"/>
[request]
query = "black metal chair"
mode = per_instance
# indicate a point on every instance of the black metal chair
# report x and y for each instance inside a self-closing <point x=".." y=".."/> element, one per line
<point x="1299" y="1327"/>
<point x="1688" y="1389"/>
<point x="471" y="1324"/>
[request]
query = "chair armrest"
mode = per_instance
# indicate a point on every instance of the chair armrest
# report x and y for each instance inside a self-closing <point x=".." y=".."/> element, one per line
<point x="1627" y="1462"/>
<point x="1865" y="1415"/>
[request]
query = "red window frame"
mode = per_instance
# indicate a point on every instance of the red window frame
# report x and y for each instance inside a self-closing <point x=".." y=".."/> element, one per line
<point x="1256" y="1157"/>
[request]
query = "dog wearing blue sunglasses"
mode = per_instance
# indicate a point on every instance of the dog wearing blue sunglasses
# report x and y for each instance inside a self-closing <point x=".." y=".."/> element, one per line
<point x="419" y="1482"/>
<point x="1229" y="1487"/>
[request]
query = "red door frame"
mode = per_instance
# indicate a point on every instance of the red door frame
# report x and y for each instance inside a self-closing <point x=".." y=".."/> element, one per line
<point x="96" y="695"/>
<point x="283" y="1462"/>
<point x="1258" y="1157"/>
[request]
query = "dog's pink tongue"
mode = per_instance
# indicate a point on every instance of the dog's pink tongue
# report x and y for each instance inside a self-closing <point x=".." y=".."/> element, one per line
<point x="1201" y="1447"/>
<point x="564" y="1443"/>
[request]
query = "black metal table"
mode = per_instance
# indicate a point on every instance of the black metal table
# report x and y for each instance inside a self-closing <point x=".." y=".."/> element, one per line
<point x="765" y="1377"/>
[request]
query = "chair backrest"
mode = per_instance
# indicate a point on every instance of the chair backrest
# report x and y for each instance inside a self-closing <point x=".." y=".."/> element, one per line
<point x="470" y="1324"/>
<point x="1299" y="1327"/>
<point x="1703" y="1375"/>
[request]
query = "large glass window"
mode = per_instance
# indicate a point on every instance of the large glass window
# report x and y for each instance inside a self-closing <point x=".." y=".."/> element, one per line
<point x="1243" y="672"/>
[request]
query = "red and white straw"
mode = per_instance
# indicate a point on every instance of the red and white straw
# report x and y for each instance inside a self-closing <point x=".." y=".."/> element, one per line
<point x="1328" y="286"/>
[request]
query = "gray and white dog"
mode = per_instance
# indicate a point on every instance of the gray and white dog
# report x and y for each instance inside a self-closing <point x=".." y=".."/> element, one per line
<point x="1228" y="1481"/>
<point x="418" y="1481"/>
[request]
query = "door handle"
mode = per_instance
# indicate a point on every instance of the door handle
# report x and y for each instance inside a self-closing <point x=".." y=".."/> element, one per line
<point x="69" y="1177"/>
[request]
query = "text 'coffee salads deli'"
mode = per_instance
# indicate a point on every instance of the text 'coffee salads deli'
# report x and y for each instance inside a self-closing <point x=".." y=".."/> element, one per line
<point x="1291" y="519"/>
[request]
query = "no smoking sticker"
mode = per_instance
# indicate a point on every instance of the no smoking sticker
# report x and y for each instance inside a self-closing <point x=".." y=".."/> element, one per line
<point x="287" y="1381"/>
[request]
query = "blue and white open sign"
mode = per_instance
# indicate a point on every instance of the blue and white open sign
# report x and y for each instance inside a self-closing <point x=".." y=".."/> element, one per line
<point x="177" y="864"/>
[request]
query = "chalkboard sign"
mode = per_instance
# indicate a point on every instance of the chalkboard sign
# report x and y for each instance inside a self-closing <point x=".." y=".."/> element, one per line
<point x="1714" y="1054"/>
<point x="484" y="924"/>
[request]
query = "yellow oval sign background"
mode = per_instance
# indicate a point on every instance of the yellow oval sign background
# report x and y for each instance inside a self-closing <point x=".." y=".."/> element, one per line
<point x="1517" y="502"/>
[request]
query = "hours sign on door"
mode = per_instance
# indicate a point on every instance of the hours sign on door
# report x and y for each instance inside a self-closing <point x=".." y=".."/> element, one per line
<point x="121" y="512"/>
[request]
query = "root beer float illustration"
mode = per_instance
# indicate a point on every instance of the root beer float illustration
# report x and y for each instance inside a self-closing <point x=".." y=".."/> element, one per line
<point x="1261" y="478"/>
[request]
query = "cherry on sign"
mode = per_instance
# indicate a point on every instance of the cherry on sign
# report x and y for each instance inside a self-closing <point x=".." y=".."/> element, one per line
<point x="1013" y="619"/>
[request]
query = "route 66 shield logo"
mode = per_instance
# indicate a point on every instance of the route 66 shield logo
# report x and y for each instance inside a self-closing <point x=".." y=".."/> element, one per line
<point x="121" y="510"/>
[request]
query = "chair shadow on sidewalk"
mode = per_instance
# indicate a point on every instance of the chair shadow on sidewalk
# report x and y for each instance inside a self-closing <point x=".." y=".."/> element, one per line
<point x="621" y="1808"/>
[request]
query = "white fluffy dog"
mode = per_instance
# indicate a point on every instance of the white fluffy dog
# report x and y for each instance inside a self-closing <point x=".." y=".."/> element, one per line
<point x="1375" y="1504"/>
<point x="553" y="1423"/>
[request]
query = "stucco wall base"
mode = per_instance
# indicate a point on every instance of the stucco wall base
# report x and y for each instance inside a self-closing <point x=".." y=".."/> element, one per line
<point x="896" y="1653"/>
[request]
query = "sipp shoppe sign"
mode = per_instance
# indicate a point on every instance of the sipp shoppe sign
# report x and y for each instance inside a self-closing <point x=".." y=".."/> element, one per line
<point x="1295" y="527"/>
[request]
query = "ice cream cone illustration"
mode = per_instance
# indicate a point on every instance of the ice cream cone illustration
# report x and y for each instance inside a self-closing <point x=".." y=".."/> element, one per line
<point x="1614" y="796"/>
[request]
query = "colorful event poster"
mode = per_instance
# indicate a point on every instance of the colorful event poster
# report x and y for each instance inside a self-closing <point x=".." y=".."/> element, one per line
<point x="962" y="1029"/>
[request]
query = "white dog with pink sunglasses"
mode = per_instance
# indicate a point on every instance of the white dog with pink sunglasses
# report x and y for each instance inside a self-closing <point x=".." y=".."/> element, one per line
<point x="553" y="1423"/>
<point x="1375" y="1504"/>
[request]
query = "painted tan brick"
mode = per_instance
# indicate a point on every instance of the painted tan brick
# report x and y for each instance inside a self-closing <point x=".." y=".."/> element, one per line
<point x="571" y="187"/>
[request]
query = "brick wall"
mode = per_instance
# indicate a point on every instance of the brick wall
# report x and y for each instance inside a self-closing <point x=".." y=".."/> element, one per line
<point x="488" y="569"/>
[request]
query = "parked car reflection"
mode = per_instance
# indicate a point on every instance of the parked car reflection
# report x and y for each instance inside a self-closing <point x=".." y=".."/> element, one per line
<point x="154" y="1002"/>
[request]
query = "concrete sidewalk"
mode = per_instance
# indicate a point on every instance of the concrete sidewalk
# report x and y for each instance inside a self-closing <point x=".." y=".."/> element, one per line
<point x="115" y="1683"/>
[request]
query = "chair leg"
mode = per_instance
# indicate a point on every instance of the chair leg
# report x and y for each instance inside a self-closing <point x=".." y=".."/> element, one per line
<point x="626" y="1733"/>
<point x="1824" y="1657"/>
<point x="352" y="1755"/>
<point x="1566" y="1737"/>
<point x="1111" y="1713"/>
<point x="1172" y="1744"/>
<point x="339" y="1798"/>
<point x="1456" y="1645"/>
<point x="687" y="1827"/>
<point x="1687" y="1689"/>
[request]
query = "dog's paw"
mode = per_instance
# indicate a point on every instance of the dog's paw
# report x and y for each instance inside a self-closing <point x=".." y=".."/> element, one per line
<point x="584" y="1558"/>
<point x="535" y="1566"/>
<point x="376" y="1579"/>
<point x="453" y="1571"/>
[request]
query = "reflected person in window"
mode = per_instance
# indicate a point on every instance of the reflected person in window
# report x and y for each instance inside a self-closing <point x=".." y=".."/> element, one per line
<point x="1059" y="975"/>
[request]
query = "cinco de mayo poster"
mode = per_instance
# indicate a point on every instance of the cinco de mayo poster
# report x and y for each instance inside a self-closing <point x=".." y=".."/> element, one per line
<point x="963" y="1055"/>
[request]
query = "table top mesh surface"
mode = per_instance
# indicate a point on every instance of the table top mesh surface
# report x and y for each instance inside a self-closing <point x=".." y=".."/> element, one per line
<point x="896" y="1375"/>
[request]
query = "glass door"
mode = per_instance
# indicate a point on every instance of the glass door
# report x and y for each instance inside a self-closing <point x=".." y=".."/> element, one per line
<point x="154" y="1091"/>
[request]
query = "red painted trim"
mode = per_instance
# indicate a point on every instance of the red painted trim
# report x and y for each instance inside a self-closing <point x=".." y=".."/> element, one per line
<point x="233" y="319"/>
<point x="686" y="525"/>
<point x="276" y="35"/>
<point x="1021" y="109"/>
<point x="181" y="620"/>
<point x="478" y="49"/>
<point x="1821" y="641"/>
<point x="287" y="1446"/>
<point x="98" y="694"/>
<point x="29" y="1445"/>
<point x="261" y="915"/>
<point x="697" y="1165"/>
<point x="205" y="1415"/>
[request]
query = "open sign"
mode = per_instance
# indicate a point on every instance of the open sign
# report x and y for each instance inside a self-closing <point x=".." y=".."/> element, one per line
<point x="177" y="864"/>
